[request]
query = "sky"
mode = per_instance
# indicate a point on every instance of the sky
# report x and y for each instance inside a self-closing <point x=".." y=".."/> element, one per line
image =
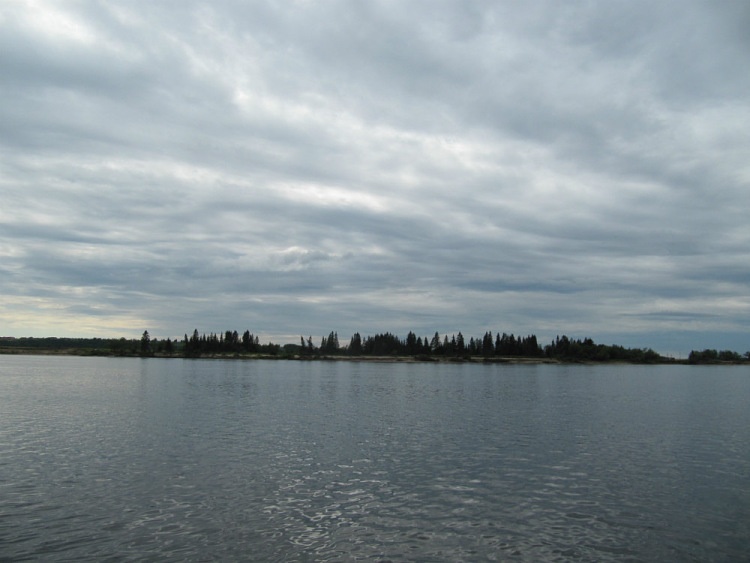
<point x="296" y="168"/>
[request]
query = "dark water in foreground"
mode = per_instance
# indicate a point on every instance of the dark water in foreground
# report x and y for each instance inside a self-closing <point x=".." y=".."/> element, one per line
<point x="127" y="459"/>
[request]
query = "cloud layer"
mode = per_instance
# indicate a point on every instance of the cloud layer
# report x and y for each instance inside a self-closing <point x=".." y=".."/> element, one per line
<point x="296" y="168"/>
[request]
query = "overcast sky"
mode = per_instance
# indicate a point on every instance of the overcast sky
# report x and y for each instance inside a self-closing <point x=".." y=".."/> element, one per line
<point x="295" y="168"/>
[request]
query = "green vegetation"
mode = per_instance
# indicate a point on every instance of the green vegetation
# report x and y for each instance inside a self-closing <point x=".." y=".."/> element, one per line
<point x="227" y="343"/>
<point x="717" y="357"/>
<point x="488" y="348"/>
<point x="89" y="346"/>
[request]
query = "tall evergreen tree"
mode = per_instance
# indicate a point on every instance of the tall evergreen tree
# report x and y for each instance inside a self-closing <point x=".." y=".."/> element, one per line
<point x="145" y="344"/>
<point x="460" y="344"/>
<point x="488" y="346"/>
<point x="435" y="345"/>
<point x="355" y="344"/>
<point x="411" y="343"/>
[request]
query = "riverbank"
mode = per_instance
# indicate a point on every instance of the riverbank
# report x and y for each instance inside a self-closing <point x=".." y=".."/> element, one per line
<point x="516" y="360"/>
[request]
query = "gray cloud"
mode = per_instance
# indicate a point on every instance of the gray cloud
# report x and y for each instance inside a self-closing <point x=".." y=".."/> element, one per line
<point x="306" y="167"/>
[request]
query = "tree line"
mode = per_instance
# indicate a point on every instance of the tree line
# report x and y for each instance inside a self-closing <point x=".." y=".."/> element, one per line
<point x="387" y="344"/>
<point x="711" y="356"/>
<point x="455" y="346"/>
<point x="229" y="342"/>
<point x="489" y="345"/>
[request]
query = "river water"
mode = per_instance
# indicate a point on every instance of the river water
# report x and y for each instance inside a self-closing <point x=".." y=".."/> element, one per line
<point x="106" y="459"/>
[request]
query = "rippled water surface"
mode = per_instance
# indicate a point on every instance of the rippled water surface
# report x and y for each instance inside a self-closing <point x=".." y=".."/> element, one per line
<point x="129" y="459"/>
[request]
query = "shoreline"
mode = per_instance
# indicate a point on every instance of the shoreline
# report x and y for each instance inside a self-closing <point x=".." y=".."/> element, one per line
<point x="510" y="360"/>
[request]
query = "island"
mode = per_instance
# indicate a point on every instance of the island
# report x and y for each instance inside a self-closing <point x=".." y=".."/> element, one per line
<point x="382" y="347"/>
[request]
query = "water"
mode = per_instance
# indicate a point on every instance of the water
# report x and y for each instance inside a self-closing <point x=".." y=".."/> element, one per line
<point x="126" y="459"/>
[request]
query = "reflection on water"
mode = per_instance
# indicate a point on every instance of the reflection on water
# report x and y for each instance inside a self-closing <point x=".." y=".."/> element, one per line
<point x="173" y="460"/>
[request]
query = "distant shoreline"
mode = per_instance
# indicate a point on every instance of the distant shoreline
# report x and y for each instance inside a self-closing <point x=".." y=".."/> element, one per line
<point x="511" y="360"/>
<point x="385" y="347"/>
